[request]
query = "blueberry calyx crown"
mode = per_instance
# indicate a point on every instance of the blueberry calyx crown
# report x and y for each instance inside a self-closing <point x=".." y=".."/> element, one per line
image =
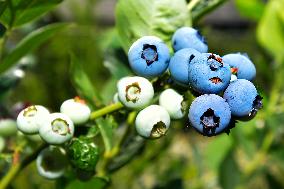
<point x="79" y="100"/>
<point x="60" y="126"/>
<point x="209" y="121"/>
<point x="30" y="111"/>
<point x="218" y="59"/>
<point x="132" y="92"/>
<point x="149" y="54"/>
<point x="215" y="80"/>
<point x="256" y="105"/>
<point x="158" y="130"/>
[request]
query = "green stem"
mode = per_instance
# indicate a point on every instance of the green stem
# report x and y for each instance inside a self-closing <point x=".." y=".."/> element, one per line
<point x="109" y="155"/>
<point x="192" y="4"/>
<point x="106" y="110"/>
<point x="16" y="168"/>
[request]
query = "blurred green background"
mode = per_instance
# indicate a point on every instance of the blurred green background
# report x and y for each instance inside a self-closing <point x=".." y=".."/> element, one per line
<point x="252" y="156"/>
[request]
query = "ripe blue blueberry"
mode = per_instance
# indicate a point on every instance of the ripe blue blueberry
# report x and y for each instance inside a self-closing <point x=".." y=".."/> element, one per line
<point x="187" y="37"/>
<point x="179" y="64"/>
<point x="243" y="98"/>
<point x="149" y="56"/>
<point x="208" y="74"/>
<point x="241" y="66"/>
<point x="209" y="114"/>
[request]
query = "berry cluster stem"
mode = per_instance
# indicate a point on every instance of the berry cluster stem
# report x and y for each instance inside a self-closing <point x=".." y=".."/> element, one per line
<point x="106" y="110"/>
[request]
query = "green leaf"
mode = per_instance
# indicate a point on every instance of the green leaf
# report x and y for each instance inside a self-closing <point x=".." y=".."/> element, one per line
<point x="97" y="183"/>
<point x="3" y="5"/>
<point x="199" y="8"/>
<point x="252" y="9"/>
<point x="229" y="173"/>
<point x="19" y="12"/>
<point x="29" y="43"/>
<point x="160" y="18"/>
<point x="213" y="159"/>
<point x="271" y="28"/>
<point x="82" y="83"/>
<point x="106" y="126"/>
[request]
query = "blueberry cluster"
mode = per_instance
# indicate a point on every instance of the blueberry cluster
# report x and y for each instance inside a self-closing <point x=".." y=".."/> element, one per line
<point x="58" y="129"/>
<point x="222" y="85"/>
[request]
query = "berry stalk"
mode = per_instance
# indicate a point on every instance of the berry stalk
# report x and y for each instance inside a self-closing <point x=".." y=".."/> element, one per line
<point x="106" y="110"/>
<point x="18" y="166"/>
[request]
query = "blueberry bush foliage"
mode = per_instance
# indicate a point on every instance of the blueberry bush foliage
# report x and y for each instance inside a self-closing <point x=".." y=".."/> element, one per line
<point x="53" y="50"/>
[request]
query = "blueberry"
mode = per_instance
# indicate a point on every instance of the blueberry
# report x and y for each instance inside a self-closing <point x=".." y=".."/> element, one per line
<point x="173" y="102"/>
<point x="51" y="162"/>
<point x="179" y="64"/>
<point x="149" y="56"/>
<point x="152" y="122"/>
<point x="8" y="127"/>
<point x="135" y="92"/>
<point x="187" y="37"/>
<point x="209" y="114"/>
<point x="57" y="129"/>
<point x="76" y="109"/>
<point x="208" y="74"/>
<point x="32" y="118"/>
<point x="241" y="65"/>
<point x="83" y="154"/>
<point x="243" y="98"/>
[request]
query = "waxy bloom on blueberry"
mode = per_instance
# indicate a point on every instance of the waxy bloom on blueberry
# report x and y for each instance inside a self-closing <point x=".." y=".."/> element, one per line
<point x="241" y="66"/>
<point x="209" y="114"/>
<point x="32" y="118"/>
<point x="173" y="102"/>
<point x="152" y="122"/>
<point x="51" y="162"/>
<point x="149" y="56"/>
<point x="187" y="37"/>
<point x="76" y="109"/>
<point x="179" y="65"/>
<point x="57" y="129"/>
<point x="135" y="92"/>
<point x="209" y="74"/>
<point x="243" y="98"/>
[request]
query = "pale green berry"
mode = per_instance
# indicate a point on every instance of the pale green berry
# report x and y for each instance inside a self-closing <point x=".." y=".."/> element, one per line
<point x="8" y="127"/>
<point x="173" y="102"/>
<point x="51" y="162"/>
<point x="135" y="92"/>
<point x="31" y="119"/>
<point x="152" y="122"/>
<point x="57" y="129"/>
<point x="76" y="109"/>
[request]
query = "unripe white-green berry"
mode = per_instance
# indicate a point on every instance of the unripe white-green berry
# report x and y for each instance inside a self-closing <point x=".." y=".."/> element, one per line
<point x="51" y="162"/>
<point x="57" y="129"/>
<point x="135" y="92"/>
<point x="173" y="102"/>
<point x="76" y="109"/>
<point x="8" y="127"/>
<point x="152" y="122"/>
<point x="32" y="118"/>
